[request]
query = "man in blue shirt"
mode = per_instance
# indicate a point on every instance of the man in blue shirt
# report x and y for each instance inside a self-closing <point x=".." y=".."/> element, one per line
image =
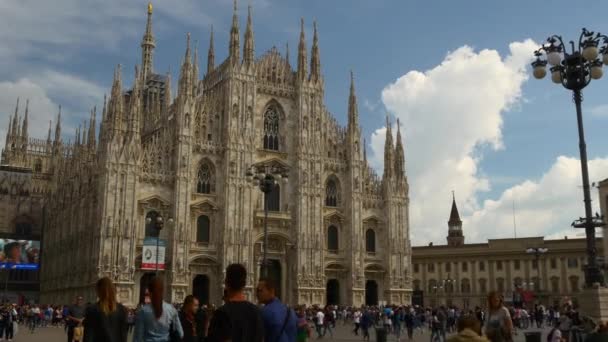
<point x="280" y="322"/>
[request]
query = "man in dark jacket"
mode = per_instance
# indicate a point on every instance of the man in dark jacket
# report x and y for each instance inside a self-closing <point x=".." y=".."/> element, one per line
<point x="187" y="317"/>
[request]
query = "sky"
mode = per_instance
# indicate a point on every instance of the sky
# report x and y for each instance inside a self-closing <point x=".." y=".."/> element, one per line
<point x="455" y="73"/>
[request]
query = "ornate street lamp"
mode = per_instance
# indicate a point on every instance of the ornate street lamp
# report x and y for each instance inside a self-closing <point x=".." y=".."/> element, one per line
<point x="158" y="223"/>
<point x="574" y="70"/>
<point x="537" y="252"/>
<point x="266" y="178"/>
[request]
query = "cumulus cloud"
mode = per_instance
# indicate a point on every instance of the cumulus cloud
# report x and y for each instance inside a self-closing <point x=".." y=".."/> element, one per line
<point x="41" y="90"/>
<point x="545" y="206"/>
<point x="446" y="113"/>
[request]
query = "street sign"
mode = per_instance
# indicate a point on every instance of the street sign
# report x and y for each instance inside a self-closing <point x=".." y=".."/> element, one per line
<point x="148" y="257"/>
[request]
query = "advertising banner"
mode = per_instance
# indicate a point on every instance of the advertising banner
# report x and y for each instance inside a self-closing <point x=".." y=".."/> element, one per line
<point x="148" y="257"/>
<point x="19" y="254"/>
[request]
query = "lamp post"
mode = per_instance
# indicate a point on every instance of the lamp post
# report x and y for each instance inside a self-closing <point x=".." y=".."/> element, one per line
<point x="266" y="178"/>
<point x="537" y="252"/>
<point x="158" y="223"/>
<point x="574" y="70"/>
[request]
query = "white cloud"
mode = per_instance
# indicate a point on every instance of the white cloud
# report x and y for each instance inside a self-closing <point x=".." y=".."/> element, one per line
<point x="41" y="89"/>
<point x="446" y="113"/>
<point x="600" y="111"/>
<point x="544" y="207"/>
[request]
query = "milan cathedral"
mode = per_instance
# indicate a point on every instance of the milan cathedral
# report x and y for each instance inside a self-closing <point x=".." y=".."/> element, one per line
<point x="338" y="233"/>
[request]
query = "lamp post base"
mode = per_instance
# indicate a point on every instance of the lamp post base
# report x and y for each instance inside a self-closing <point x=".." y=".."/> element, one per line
<point x="593" y="303"/>
<point x="593" y="275"/>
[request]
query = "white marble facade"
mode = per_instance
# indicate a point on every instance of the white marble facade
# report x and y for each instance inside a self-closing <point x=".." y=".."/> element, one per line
<point x="337" y="231"/>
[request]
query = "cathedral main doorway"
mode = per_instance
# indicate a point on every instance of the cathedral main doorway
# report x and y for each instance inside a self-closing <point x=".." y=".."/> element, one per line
<point x="143" y="285"/>
<point x="200" y="288"/>
<point x="275" y="274"/>
<point x="332" y="292"/>
<point x="371" y="292"/>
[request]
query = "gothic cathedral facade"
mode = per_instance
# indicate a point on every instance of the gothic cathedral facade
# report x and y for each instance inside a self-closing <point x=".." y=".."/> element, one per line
<point x="338" y="233"/>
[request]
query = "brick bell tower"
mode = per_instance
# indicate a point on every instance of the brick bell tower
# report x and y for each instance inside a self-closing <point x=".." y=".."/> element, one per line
<point x="455" y="236"/>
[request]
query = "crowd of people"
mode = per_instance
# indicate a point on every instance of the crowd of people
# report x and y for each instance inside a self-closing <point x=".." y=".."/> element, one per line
<point x="272" y="321"/>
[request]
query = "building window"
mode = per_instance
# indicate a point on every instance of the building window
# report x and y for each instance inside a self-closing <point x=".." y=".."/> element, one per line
<point x="271" y="129"/>
<point x="416" y="285"/>
<point x="465" y="266"/>
<point x="448" y="266"/>
<point x="553" y="263"/>
<point x="516" y="264"/>
<point x="449" y="286"/>
<point x="482" y="266"/>
<point x="518" y="282"/>
<point x="574" y="283"/>
<point x="430" y="267"/>
<point x="499" y="265"/>
<point x="432" y="286"/>
<point x="205" y="181"/>
<point x="465" y="286"/>
<point x="203" y="229"/>
<point x="370" y="241"/>
<point x="500" y="285"/>
<point x="536" y="283"/>
<point x="555" y="284"/>
<point x="332" y="238"/>
<point x="38" y="165"/>
<point x="416" y="268"/>
<point x="534" y="264"/>
<point x="23" y="229"/>
<point x="331" y="193"/>
<point x="572" y="263"/>
<point x="483" y="286"/>
<point x="273" y="199"/>
<point x="151" y="230"/>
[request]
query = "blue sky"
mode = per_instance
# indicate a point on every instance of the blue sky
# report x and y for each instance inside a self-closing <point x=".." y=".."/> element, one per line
<point x="64" y="53"/>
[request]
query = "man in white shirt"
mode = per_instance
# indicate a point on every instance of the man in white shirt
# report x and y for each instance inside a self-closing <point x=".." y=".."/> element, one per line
<point x="319" y="323"/>
<point x="357" y="320"/>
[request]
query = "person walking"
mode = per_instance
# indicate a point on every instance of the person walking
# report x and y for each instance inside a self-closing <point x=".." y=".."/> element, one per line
<point x="304" y="331"/>
<point x="498" y="327"/>
<point x="237" y="320"/>
<point x="319" y="321"/>
<point x="357" y="321"/>
<point x="280" y="322"/>
<point x="106" y="320"/>
<point x="157" y="321"/>
<point x="193" y="331"/>
<point x="366" y="323"/>
<point x="74" y="318"/>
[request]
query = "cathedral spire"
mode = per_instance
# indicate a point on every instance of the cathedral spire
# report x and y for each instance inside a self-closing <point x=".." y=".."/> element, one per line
<point x="14" y="131"/>
<point x="58" y="127"/>
<point x="211" y="54"/>
<point x="185" y="74"/>
<point x="147" y="46"/>
<point x="353" y="110"/>
<point x="315" y="60"/>
<point x="25" y="122"/>
<point x="48" y="138"/>
<point x="234" y="37"/>
<point x="248" y="46"/>
<point x="287" y="53"/>
<point x="9" y="132"/>
<point x="399" y="154"/>
<point x="454" y="215"/>
<point x="388" y="151"/>
<point x="92" y="123"/>
<point x="135" y="107"/>
<point x="365" y="152"/>
<point x="115" y="106"/>
<point x="195" y="68"/>
<point x="167" y="92"/>
<point x="302" y="53"/>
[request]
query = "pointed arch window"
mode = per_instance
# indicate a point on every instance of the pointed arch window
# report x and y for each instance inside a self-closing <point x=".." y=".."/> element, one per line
<point x="273" y="199"/>
<point x="38" y="165"/>
<point x="205" y="179"/>
<point x="271" y="129"/>
<point x="332" y="238"/>
<point x="203" y="229"/>
<point x="332" y="193"/>
<point x="370" y="241"/>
